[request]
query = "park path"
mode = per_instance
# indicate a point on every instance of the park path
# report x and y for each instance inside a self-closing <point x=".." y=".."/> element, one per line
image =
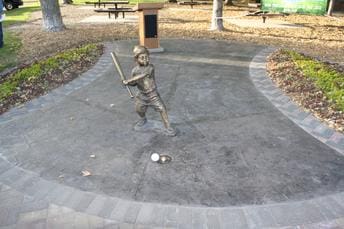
<point x="286" y="177"/>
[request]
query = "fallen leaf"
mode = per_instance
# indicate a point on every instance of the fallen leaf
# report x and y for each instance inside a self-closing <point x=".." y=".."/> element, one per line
<point x="85" y="173"/>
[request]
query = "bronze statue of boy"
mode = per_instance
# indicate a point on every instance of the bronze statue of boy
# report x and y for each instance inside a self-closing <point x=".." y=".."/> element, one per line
<point x="148" y="96"/>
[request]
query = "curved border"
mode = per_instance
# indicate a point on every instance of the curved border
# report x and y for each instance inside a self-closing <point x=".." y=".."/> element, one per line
<point x="314" y="212"/>
<point x="303" y="119"/>
<point x="57" y="95"/>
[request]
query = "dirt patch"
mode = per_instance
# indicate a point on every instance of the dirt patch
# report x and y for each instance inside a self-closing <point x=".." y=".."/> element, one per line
<point x="302" y="90"/>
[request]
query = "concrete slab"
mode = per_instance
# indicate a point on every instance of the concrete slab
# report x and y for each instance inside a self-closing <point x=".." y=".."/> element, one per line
<point x="236" y="155"/>
<point x="234" y="147"/>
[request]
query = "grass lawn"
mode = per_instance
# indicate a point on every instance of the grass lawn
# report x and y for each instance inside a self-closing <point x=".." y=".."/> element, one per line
<point x="21" y="14"/>
<point x="8" y="54"/>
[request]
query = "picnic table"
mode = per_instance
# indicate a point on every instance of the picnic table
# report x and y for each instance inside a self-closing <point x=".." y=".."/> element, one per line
<point x="265" y="14"/>
<point x="116" y="3"/>
<point x="192" y="3"/>
<point x="115" y="11"/>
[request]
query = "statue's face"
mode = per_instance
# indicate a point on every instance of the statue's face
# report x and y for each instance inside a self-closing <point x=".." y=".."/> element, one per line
<point x="143" y="59"/>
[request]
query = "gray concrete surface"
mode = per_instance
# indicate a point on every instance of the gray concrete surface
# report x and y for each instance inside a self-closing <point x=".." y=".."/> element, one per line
<point x="238" y="162"/>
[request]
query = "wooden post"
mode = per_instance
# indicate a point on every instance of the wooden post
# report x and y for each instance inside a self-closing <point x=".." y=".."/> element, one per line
<point x="148" y="25"/>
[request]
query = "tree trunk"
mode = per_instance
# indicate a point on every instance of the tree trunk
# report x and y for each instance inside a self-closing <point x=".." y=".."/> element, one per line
<point x="330" y="8"/>
<point x="217" y="21"/>
<point x="229" y="3"/>
<point x="52" y="20"/>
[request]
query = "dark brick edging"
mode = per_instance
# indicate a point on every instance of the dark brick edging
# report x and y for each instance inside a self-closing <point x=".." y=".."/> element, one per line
<point x="59" y="93"/>
<point x="319" y="210"/>
<point x="303" y="119"/>
<point x="316" y="211"/>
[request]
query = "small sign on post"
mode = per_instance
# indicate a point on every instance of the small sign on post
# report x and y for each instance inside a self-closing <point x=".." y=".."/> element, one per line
<point x="317" y="7"/>
<point x="148" y="25"/>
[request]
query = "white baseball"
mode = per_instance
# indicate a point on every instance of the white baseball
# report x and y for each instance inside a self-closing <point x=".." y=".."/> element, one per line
<point x="155" y="157"/>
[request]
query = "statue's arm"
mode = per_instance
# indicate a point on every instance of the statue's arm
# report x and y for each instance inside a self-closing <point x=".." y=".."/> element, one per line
<point x="132" y="81"/>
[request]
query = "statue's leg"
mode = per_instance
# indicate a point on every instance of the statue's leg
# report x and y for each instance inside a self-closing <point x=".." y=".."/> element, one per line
<point x="141" y="111"/>
<point x="169" y="130"/>
<point x="160" y="106"/>
<point x="164" y="117"/>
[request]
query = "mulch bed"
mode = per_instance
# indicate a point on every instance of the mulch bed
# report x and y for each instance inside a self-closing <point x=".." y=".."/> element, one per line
<point x="40" y="86"/>
<point x="302" y="90"/>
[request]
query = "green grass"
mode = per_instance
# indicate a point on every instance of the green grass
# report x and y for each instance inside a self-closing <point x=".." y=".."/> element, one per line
<point x="80" y="2"/>
<point x="328" y="80"/>
<point x="8" y="53"/>
<point x="42" y="68"/>
<point x="19" y="15"/>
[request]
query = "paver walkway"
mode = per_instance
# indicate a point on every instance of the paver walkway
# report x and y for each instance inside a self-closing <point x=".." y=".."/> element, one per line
<point x="238" y="161"/>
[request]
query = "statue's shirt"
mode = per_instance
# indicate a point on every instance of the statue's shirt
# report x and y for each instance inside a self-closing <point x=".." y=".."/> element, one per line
<point x="147" y="86"/>
<point x="148" y="94"/>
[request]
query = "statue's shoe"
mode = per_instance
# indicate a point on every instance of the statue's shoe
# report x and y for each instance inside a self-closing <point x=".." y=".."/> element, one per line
<point x="141" y="122"/>
<point x="170" y="132"/>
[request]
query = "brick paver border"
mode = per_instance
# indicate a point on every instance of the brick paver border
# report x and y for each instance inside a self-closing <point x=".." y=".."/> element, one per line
<point x="327" y="210"/>
<point x="282" y="102"/>
<point x="324" y="210"/>
<point x="57" y="95"/>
